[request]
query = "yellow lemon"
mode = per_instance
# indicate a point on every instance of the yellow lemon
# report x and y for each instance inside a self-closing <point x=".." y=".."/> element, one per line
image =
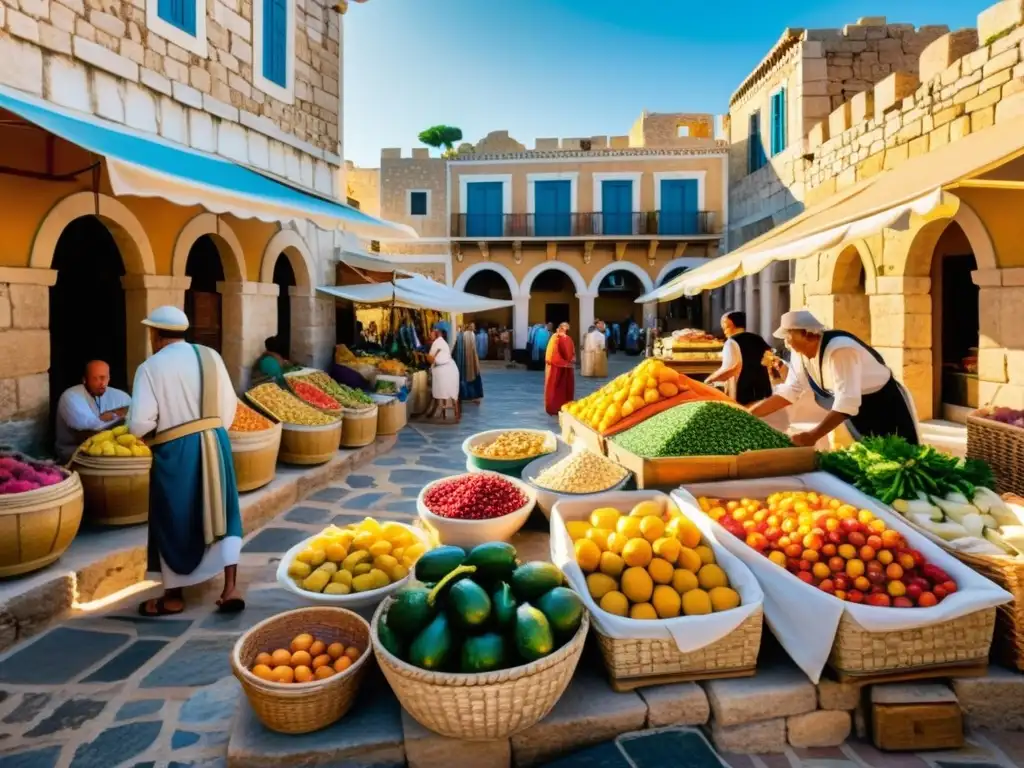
<point x="600" y="537"/>
<point x="711" y="576"/>
<point x="335" y="552"/>
<point x="616" y="542"/>
<point x="696" y="602"/>
<point x="652" y="528"/>
<point x="660" y="570"/>
<point x="627" y="409"/>
<point x="646" y="509"/>
<point x="614" y="603"/>
<point x="667" y="548"/>
<point x="600" y="584"/>
<point x="637" y="585"/>
<point x="683" y="581"/>
<point x="611" y="564"/>
<point x="628" y="527"/>
<point x="605" y="517"/>
<point x="723" y="598"/>
<point x="666" y="602"/>
<point x="706" y="554"/>
<point x="577" y="529"/>
<point x="643" y="611"/>
<point x="689" y="560"/>
<point x="685" y="530"/>
<point x="637" y="552"/>
<point x="588" y="554"/>
<point x="651" y="396"/>
<point x="636" y="401"/>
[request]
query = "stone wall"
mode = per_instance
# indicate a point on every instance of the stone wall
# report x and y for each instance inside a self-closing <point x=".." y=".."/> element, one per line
<point x="363" y="185"/>
<point x="399" y="175"/>
<point x="661" y="129"/>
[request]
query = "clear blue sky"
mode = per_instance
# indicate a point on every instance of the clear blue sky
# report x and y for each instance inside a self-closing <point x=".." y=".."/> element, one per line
<point x="544" y="68"/>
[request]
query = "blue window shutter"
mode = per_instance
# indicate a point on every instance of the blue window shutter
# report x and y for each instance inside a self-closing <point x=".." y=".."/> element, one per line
<point x="679" y="213"/>
<point x="275" y="41"/>
<point x="180" y="13"/>
<point x="617" y="207"/>
<point x="418" y="204"/>
<point x="485" y="209"/>
<point x="188" y="14"/>
<point x="552" y="208"/>
<point x="782" y="120"/>
<point x="778" y="142"/>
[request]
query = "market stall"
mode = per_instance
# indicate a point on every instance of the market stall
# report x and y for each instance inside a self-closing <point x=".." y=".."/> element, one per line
<point x="692" y="352"/>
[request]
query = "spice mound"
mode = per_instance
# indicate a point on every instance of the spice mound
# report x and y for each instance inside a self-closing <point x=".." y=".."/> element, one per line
<point x="288" y="408"/>
<point x="247" y="420"/>
<point x="314" y="396"/>
<point x="474" y="497"/>
<point x="516" y="444"/>
<point x="583" y="472"/>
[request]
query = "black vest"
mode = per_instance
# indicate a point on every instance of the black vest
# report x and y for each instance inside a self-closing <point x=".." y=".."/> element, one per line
<point x="753" y="383"/>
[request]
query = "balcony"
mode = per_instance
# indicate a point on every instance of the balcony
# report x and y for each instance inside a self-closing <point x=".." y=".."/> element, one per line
<point x="678" y="224"/>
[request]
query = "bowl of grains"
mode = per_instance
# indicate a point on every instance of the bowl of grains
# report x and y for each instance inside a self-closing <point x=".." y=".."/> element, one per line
<point x="573" y="475"/>
<point x="470" y="509"/>
<point x="507" y="450"/>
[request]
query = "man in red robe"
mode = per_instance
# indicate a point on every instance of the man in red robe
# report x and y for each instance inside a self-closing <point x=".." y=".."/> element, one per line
<point x="560" y="376"/>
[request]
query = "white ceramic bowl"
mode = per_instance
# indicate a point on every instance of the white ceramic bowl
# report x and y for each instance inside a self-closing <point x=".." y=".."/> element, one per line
<point x="352" y="601"/>
<point x="469" y="533"/>
<point x="546" y="499"/>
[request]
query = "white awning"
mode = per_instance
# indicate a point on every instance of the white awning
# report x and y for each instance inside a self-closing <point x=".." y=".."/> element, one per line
<point x="370" y="262"/>
<point x="416" y="292"/>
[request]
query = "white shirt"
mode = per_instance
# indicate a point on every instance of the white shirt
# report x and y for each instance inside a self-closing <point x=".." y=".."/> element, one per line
<point x="849" y="373"/>
<point x="166" y="391"/>
<point x="731" y="357"/>
<point x="594" y="342"/>
<point x="441" y="352"/>
<point x="78" y="411"/>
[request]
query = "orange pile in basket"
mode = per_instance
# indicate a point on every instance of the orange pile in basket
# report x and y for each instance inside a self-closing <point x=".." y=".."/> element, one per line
<point x="650" y="388"/>
<point x="247" y="420"/>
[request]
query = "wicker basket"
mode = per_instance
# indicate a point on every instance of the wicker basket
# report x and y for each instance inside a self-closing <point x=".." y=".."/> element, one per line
<point x="302" y="707"/>
<point x="481" y="707"/>
<point x="962" y="641"/>
<point x="116" y="489"/>
<point x="306" y="446"/>
<point x="733" y="654"/>
<point x="1008" y="573"/>
<point x="358" y="428"/>
<point x="392" y="418"/>
<point x="254" y="455"/>
<point x="1002" y="446"/>
<point x="37" y="526"/>
<point x="419" y="393"/>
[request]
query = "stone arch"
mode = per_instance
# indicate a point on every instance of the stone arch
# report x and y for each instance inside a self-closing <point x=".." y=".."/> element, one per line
<point x="923" y="242"/>
<point x="483" y="266"/>
<point x="230" y="248"/>
<point x="127" y="231"/>
<point x="572" y="273"/>
<point x="843" y="273"/>
<point x="622" y="266"/>
<point x="684" y="262"/>
<point x="290" y="243"/>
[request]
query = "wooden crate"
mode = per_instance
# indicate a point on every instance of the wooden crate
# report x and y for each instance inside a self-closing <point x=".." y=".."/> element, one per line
<point x="909" y="718"/>
<point x="575" y="431"/>
<point x="674" y="471"/>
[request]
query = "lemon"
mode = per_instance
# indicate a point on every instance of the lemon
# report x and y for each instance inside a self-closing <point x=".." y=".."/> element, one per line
<point x="683" y="581"/>
<point x="646" y="509"/>
<point x="711" y="576"/>
<point x="637" y="585"/>
<point x="599" y="536"/>
<point x="696" y="602"/>
<point x="614" y="603"/>
<point x="652" y="528"/>
<point x="605" y="517"/>
<point x="723" y="598"/>
<point x="299" y="569"/>
<point x="660" y="570"/>
<point x="611" y="564"/>
<point x="335" y="552"/>
<point x="643" y="611"/>
<point x="666" y="602"/>
<point x="628" y="527"/>
<point x="667" y="548"/>
<point x="637" y="552"/>
<point x="577" y="529"/>
<point x="616" y="542"/>
<point x="600" y="584"/>
<point x="588" y="554"/>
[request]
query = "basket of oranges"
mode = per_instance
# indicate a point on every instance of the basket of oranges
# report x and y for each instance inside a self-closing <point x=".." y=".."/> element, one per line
<point x="301" y="669"/>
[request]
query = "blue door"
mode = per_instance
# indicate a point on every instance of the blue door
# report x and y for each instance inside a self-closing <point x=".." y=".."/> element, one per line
<point x="679" y="214"/>
<point x="617" y="207"/>
<point x="553" y="215"/>
<point x="484" y="210"/>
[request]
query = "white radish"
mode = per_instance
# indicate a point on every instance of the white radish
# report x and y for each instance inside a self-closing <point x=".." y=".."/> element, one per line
<point x="973" y="525"/>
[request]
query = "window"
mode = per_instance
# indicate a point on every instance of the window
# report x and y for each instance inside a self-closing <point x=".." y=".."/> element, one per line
<point x="419" y="202"/>
<point x="553" y="209"/>
<point x="274" y="48"/>
<point x="617" y="207"/>
<point x="682" y="131"/>
<point x="485" y="209"/>
<point x="182" y="22"/>
<point x="679" y="213"/>
<point x="778" y="121"/>
<point x="755" y="146"/>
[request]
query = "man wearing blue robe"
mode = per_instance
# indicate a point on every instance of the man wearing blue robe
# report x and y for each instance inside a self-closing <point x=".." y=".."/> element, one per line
<point x="540" y="347"/>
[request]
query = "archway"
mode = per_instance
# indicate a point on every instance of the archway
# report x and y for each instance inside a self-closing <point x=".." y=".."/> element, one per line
<point x="553" y="299"/>
<point x="851" y="307"/>
<point x="490" y="284"/>
<point x="87" y="306"/>
<point x="682" y="312"/>
<point x="955" y="323"/>
<point x="284" y="279"/>
<point x="202" y="300"/>
<point x="616" y="294"/>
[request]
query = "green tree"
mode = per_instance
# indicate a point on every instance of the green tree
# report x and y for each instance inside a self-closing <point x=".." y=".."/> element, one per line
<point x="439" y="136"/>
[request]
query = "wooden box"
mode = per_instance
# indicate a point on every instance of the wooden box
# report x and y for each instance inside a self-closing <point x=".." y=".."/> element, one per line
<point x="673" y="472"/>
<point x="575" y="431"/>
<point x="906" y="718"/>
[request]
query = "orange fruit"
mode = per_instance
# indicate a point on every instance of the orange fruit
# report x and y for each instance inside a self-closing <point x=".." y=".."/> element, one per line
<point x="652" y="528"/>
<point x="265" y="659"/>
<point x="668" y="389"/>
<point x="321" y="661"/>
<point x="263" y="672"/>
<point x="637" y="552"/>
<point x="689" y="560"/>
<point x="317" y="648"/>
<point x="353" y="653"/>
<point x="322" y="673"/>
<point x="660" y="571"/>
<point x="342" y="664"/>
<point x="334" y="650"/>
<point x="283" y="674"/>
<point x="303" y="674"/>
<point x="301" y="659"/>
<point x="588" y="554"/>
<point x="281" y="658"/>
<point x="302" y="642"/>
<point x="651" y="396"/>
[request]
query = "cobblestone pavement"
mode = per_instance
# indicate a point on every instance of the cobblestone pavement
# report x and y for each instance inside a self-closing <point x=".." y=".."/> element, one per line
<point x="110" y="689"/>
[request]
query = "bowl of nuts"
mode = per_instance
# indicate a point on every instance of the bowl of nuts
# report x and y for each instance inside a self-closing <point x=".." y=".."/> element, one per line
<point x="476" y="507"/>
<point x="507" y="450"/>
<point x="573" y="474"/>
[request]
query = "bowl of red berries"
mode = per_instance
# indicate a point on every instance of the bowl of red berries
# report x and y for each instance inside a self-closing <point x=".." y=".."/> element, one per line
<point x="472" y="508"/>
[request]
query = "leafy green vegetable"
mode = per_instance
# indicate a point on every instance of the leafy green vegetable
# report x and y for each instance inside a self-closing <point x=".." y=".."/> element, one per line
<point x="890" y="468"/>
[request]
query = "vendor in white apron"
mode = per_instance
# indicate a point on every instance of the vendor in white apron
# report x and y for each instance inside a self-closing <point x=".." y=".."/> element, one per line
<point x="848" y="379"/>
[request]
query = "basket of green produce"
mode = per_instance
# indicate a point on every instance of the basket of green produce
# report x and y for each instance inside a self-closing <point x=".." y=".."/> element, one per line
<point x="350" y="398"/>
<point x="483" y="647"/>
<point x="703" y="441"/>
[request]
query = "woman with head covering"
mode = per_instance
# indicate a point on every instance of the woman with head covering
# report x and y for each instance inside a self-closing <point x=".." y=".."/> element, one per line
<point x="471" y="384"/>
<point x="443" y="372"/>
<point x="272" y="363"/>
<point x="560" y="376"/>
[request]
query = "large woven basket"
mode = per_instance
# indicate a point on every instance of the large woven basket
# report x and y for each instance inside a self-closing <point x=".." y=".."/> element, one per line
<point x="302" y="707"/>
<point x="306" y="446"/>
<point x="358" y="428"/>
<point x="733" y="654"/>
<point x="962" y="641"/>
<point x="254" y="455"/>
<point x="37" y="526"/>
<point x="486" y="706"/>
<point x="116" y="489"/>
<point x="1002" y="446"/>
<point x="392" y="418"/>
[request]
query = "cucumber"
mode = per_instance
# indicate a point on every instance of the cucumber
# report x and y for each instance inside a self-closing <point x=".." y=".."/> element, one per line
<point x="494" y="560"/>
<point x="483" y="653"/>
<point x="410" y="612"/>
<point x="563" y="609"/>
<point x="503" y="606"/>
<point x="468" y="604"/>
<point x="432" y="646"/>
<point x="534" y="638"/>
<point x="389" y="640"/>
<point x="435" y="564"/>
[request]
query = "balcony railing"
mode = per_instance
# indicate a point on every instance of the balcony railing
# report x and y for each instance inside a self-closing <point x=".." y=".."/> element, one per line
<point x="671" y="223"/>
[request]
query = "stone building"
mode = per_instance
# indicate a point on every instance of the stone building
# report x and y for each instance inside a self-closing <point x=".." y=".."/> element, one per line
<point x="185" y="84"/>
<point x="571" y="229"/>
<point x="915" y="186"/>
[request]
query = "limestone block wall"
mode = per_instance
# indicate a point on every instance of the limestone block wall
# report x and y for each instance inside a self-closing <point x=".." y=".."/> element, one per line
<point x="660" y="129"/>
<point x="400" y="175"/>
<point x="363" y="185"/>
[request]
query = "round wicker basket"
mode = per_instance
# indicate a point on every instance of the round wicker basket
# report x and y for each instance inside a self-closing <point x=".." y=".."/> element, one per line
<point x="254" y="455"/>
<point x="37" y="526"/>
<point x="116" y="489"/>
<point x="358" y="428"/>
<point x="306" y="446"/>
<point x="302" y="707"/>
<point x="480" y="707"/>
